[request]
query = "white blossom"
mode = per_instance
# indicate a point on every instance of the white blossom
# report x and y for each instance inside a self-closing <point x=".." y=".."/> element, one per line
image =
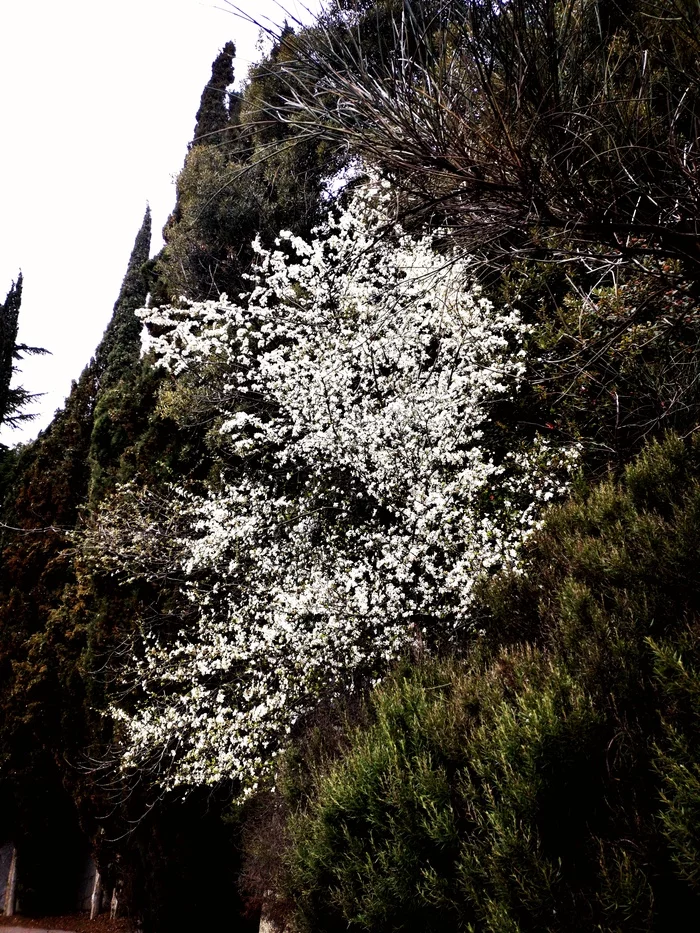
<point x="364" y="490"/>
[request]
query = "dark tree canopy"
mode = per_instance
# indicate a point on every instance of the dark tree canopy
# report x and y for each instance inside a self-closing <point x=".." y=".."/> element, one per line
<point x="213" y="113"/>
<point x="13" y="399"/>
<point x="557" y="140"/>
<point x="121" y="343"/>
<point x="251" y="176"/>
<point x="568" y="126"/>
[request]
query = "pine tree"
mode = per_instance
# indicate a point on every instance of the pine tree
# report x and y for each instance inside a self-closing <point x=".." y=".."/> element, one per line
<point x="213" y="114"/>
<point x="13" y="400"/>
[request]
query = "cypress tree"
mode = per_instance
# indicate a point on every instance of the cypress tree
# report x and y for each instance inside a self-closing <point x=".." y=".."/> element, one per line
<point x="13" y="400"/>
<point x="117" y="363"/>
<point x="213" y="114"/>
<point x="9" y="313"/>
<point x="120" y="346"/>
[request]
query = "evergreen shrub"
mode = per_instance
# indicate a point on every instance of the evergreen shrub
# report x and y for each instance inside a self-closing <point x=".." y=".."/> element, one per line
<point x="549" y="779"/>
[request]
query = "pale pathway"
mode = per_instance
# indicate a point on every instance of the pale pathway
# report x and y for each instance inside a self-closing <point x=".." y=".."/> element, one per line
<point x="5" y="929"/>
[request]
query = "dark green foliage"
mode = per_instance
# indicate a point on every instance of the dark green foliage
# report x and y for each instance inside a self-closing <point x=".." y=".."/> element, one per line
<point x="550" y="780"/>
<point x="120" y="347"/>
<point x="677" y="668"/>
<point x="13" y="398"/>
<point x="129" y="436"/>
<point x="213" y="114"/>
<point x="532" y="127"/>
<point x="9" y="315"/>
<point x="49" y="695"/>
<point x="260" y="178"/>
<point x="618" y="555"/>
<point x="613" y="360"/>
<point x="42" y="718"/>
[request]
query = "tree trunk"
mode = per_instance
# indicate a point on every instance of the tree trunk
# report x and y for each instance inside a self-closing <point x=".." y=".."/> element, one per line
<point x="267" y="925"/>
<point x="96" y="895"/>
<point x="11" y="889"/>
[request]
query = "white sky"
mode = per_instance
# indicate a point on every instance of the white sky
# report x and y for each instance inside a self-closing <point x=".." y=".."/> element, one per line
<point x="97" y="104"/>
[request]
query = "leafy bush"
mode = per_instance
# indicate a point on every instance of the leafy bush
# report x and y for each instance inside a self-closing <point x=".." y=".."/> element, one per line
<point x="550" y="780"/>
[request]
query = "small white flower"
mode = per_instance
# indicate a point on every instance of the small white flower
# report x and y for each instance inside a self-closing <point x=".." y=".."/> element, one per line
<point x="360" y="374"/>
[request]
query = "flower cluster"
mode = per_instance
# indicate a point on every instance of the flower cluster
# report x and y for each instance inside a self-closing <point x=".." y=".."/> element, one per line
<point x="363" y="489"/>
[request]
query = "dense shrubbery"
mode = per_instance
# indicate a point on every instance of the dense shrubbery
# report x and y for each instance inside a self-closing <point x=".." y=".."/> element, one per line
<point x="533" y="127"/>
<point x="612" y="362"/>
<point x="340" y="472"/>
<point x="547" y="780"/>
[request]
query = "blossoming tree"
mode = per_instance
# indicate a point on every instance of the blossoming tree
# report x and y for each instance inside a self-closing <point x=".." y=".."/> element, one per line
<point x="361" y="492"/>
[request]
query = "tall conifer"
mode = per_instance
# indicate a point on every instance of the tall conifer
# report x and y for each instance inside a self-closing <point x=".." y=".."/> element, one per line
<point x="117" y="364"/>
<point x="213" y="114"/>
<point x="121" y="344"/>
<point x="12" y="400"/>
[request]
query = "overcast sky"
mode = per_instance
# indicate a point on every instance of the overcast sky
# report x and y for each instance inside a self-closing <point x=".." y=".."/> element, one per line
<point x="97" y="104"/>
